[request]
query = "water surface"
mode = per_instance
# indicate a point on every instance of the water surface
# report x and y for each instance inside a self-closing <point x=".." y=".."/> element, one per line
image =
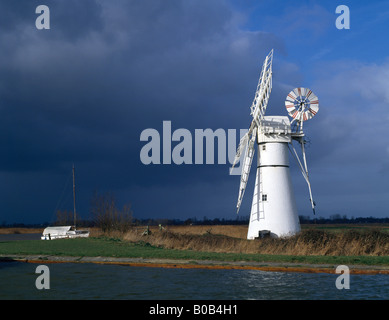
<point x="96" y="281"/>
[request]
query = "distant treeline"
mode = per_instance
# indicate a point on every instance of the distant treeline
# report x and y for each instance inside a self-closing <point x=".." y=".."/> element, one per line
<point x="105" y="214"/>
<point x="341" y="219"/>
<point x="241" y="220"/>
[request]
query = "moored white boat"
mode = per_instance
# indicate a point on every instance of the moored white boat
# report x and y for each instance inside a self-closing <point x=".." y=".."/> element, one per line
<point x="63" y="232"/>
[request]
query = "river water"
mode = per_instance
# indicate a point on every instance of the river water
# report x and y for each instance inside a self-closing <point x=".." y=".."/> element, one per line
<point x="96" y="281"/>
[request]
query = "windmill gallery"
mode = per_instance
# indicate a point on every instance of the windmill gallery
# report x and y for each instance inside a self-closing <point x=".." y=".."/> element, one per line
<point x="273" y="210"/>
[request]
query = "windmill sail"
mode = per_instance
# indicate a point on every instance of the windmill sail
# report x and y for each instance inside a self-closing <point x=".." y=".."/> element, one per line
<point x="248" y="159"/>
<point x="258" y="109"/>
<point x="243" y="144"/>
<point x="262" y="94"/>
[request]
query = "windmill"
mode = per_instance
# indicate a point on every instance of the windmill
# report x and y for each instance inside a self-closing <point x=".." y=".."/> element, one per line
<point x="274" y="209"/>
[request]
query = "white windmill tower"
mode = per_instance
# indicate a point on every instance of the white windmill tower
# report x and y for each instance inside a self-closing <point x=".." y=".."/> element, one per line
<point x="273" y="207"/>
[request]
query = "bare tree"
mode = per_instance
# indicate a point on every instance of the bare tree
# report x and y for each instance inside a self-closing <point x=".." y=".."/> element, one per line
<point x="63" y="218"/>
<point x="106" y="214"/>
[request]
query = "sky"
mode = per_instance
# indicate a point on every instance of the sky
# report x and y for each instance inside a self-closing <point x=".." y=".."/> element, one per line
<point x="84" y="90"/>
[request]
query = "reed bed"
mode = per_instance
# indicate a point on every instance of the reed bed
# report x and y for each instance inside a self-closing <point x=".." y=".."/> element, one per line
<point x="232" y="239"/>
<point x="20" y="230"/>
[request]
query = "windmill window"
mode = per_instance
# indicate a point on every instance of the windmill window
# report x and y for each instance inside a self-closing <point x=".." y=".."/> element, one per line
<point x="264" y="197"/>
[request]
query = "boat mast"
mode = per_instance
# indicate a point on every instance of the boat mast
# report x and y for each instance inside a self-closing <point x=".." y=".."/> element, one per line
<point x="74" y="199"/>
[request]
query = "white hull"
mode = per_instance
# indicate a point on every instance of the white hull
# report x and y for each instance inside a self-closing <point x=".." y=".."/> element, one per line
<point x="52" y="233"/>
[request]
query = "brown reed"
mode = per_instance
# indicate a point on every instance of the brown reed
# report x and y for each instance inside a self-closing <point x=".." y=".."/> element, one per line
<point x="232" y="239"/>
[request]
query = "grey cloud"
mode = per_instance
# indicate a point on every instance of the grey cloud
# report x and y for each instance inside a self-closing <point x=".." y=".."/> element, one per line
<point x="84" y="90"/>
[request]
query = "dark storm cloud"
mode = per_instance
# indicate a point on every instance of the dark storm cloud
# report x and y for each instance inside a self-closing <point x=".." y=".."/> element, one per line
<point x="84" y="90"/>
<point x="147" y="64"/>
<point x="72" y="18"/>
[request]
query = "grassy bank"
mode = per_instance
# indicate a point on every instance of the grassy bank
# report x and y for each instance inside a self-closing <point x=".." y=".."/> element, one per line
<point x="113" y="247"/>
<point x="206" y="246"/>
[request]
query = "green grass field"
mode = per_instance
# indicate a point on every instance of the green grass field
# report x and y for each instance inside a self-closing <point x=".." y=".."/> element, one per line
<point x="115" y="247"/>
